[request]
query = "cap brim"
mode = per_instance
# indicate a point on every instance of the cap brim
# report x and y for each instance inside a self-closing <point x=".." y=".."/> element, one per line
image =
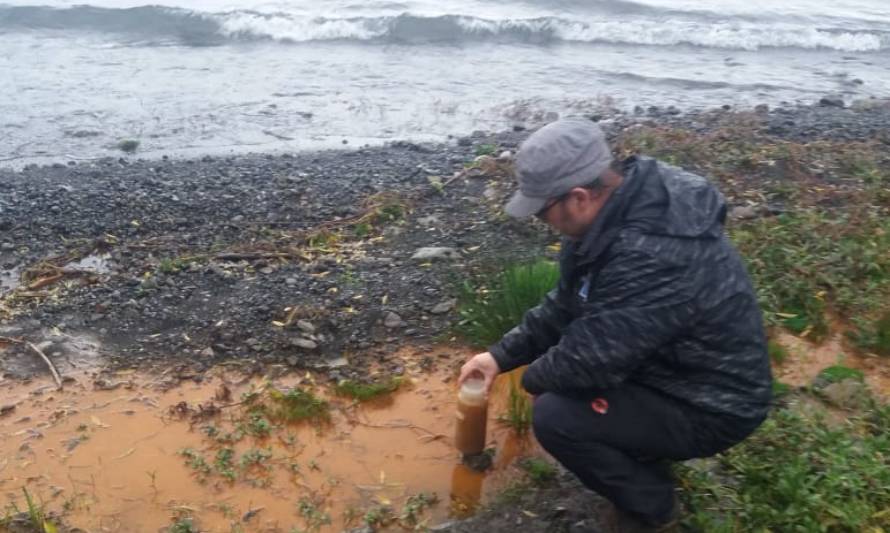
<point x="522" y="206"/>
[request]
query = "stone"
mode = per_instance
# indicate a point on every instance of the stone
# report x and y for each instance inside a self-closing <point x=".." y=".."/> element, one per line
<point x="293" y="360"/>
<point x="392" y="320"/>
<point x="267" y="270"/>
<point x="290" y="281"/>
<point x="479" y="462"/>
<point x="443" y="307"/>
<point x="430" y="220"/>
<point x="6" y="409"/>
<point x="306" y="344"/>
<point x="832" y="100"/>
<point x="305" y="326"/>
<point x="208" y="352"/>
<point x="331" y="364"/>
<point x="435" y="252"/>
<point x="847" y="394"/>
<point x="490" y="193"/>
<point x="743" y="212"/>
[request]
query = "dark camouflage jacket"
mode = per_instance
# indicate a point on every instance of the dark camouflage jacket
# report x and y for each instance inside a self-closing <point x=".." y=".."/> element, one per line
<point x="654" y="294"/>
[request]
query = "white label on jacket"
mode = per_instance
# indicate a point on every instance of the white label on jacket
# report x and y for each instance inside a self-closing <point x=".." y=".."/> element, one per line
<point x="585" y="288"/>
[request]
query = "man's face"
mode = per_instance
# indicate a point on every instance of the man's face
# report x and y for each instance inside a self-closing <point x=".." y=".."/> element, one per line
<point x="572" y="213"/>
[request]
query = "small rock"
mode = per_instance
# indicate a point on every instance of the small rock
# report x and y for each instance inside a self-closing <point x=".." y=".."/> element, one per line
<point x="443" y="307"/>
<point x="435" y="252"/>
<point x="6" y="409"/>
<point x="208" y="352"/>
<point x="846" y="394"/>
<point x="291" y="281"/>
<point x="392" y="320"/>
<point x="293" y="360"/>
<point x="305" y="344"/>
<point x="305" y="326"/>
<point x="743" y="212"/>
<point x="505" y="156"/>
<point x="832" y="100"/>
<point x="444" y="526"/>
<point x="490" y="193"/>
<point x="479" y="462"/>
<point x="267" y="270"/>
<point x="431" y="220"/>
<point x="335" y="363"/>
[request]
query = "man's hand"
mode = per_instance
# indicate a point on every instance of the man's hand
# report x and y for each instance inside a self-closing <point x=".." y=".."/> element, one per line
<point x="483" y="364"/>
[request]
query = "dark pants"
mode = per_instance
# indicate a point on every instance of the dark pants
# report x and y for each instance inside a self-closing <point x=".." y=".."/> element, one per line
<point x="623" y="451"/>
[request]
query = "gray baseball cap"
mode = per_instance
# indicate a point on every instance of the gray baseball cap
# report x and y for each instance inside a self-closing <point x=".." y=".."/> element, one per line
<point x="555" y="159"/>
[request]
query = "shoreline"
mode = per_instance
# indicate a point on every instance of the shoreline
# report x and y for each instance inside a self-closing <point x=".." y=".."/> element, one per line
<point x="207" y="258"/>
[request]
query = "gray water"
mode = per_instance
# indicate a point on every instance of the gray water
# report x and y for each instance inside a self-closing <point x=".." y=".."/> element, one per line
<point x="270" y="76"/>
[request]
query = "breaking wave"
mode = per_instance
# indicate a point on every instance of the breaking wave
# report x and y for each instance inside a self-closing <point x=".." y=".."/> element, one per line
<point x="153" y="24"/>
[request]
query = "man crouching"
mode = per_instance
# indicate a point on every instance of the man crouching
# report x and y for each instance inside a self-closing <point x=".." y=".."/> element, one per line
<point x="652" y="347"/>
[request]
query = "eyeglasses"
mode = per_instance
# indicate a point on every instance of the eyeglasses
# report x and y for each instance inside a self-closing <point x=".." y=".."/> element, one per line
<point x="547" y="207"/>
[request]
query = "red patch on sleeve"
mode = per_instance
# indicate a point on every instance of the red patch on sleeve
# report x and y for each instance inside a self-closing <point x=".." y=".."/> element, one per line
<point x="600" y="405"/>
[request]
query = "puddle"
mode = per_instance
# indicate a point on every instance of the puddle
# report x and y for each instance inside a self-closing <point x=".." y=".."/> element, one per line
<point x="10" y="280"/>
<point x="806" y="359"/>
<point x="96" y="263"/>
<point x="119" y="461"/>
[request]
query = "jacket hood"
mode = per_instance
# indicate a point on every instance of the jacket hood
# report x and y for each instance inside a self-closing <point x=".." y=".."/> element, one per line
<point x="658" y="199"/>
<point x="671" y="201"/>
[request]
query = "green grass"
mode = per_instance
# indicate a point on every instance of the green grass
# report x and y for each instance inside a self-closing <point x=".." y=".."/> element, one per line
<point x="838" y="373"/>
<point x="296" y="405"/>
<point x="367" y="391"/>
<point x="414" y="508"/>
<point x="797" y="473"/>
<point x="491" y="307"/>
<point x="312" y="513"/>
<point x="874" y="336"/>
<point x="519" y="407"/>
<point x="486" y="149"/>
<point x="183" y="525"/>
<point x="803" y="262"/>
<point x="36" y="515"/>
<point x="777" y="352"/>
<point x="539" y="471"/>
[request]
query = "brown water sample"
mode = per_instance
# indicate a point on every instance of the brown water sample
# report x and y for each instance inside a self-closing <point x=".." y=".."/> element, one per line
<point x="472" y="417"/>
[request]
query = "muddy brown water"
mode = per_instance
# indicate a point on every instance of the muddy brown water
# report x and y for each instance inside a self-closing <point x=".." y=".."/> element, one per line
<point x="112" y="460"/>
<point x="806" y="359"/>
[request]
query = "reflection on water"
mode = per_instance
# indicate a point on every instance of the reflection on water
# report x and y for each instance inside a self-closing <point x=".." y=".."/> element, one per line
<point x="10" y="279"/>
<point x="98" y="263"/>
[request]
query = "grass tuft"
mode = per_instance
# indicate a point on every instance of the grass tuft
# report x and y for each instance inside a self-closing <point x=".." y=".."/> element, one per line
<point x="777" y="352"/>
<point x="492" y="308"/>
<point x="367" y="391"/>
<point x="519" y="407"/>
<point x="486" y="149"/>
<point x="540" y="472"/>
<point x="296" y="405"/>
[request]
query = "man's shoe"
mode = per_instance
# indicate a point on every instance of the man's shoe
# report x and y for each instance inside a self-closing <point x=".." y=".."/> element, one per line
<point x="622" y="522"/>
